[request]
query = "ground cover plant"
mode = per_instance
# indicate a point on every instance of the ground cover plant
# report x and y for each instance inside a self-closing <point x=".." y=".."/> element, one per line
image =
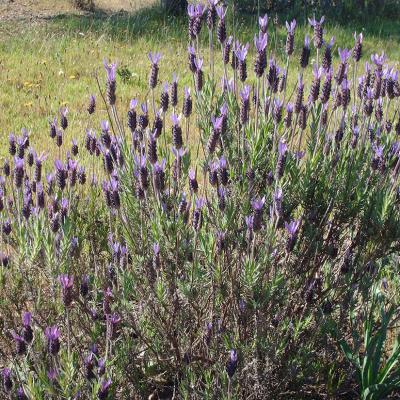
<point x="260" y="261"/>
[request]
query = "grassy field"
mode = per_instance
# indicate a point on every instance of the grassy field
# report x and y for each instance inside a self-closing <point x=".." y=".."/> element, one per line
<point x="50" y="60"/>
<point x="259" y="260"/>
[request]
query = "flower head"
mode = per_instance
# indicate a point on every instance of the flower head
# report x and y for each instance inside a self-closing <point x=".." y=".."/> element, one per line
<point x="249" y="222"/>
<point x="282" y="147"/>
<point x="313" y="22"/>
<point x="241" y="53"/>
<point x="378" y="60"/>
<point x="200" y="203"/>
<point x="217" y="122"/>
<point x="258" y="204"/>
<point x="110" y="70"/>
<point x="292" y="227"/>
<point x="359" y="38"/>
<point x="317" y="72"/>
<point x="291" y="27"/>
<point x="198" y="63"/>
<point x="154" y="58"/>
<point x="221" y="11"/>
<point x="52" y="333"/>
<point x="263" y="22"/>
<point x="278" y="103"/>
<point x="175" y="119"/>
<point x="144" y="108"/>
<point x="26" y="318"/>
<point x="245" y="93"/>
<point x="261" y="41"/>
<point x="191" y="10"/>
<point x="307" y="42"/>
<point x="105" y="126"/>
<point x="344" y="54"/>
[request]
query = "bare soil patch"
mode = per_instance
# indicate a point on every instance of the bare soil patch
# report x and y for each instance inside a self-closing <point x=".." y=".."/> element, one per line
<point x="36" y="10"/>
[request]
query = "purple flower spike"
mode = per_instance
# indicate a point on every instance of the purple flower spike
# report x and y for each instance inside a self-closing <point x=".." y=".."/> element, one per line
<point x="66" y="281"/>
<point x="313" y="22"/>
<point x="192" y="174"/>
<point x="222" y="163"/>
<point x="187" y="92"/>
<point x="199" y="10"/>
<point x="258" y="204"/>
<point x="178" y="153"/>
<point x="291" y="27"/>
<point x="278" y="102"/>
<point x="191" y="10"/>
<point x="154" y="58"/>
<point x="52" y="375"/>
<point x="221" y="11"/>
<point x="278" y="194"/>
<point x="21" y="394"/>
<point x="144" y="108"/>
<point x="344" y="54"/>
<point x="7" y="381"/>
<point x="307" y="42"/>
<point x="200" y="203"/>
<point x="192" y="50"/>
<point x="105" y="126"/>
<point x="175" y="119"/>
<point x="317" y="72"/>
<point x="249" y="222"/>
<point x="199" y="64"/>
<point x="331" y="42"/>
<point x="263" y="22"/>
<point x="217" y="123"/>
<point x="224" y="109"/>
<point x="261" y="42"/>
<point x="359" y="37"/>
<point x="379" y="151"/>
<point x="52" y="334"/>
<point x="345" y="84"/>
<point x="102" y="394"/>
<point x="67" y="284"/>
<point x="282" y="148"/>
<point x="292" y="227"/>
<point x="245" y="93"/>
<point x="231" y="365"/>
<point x="26" y="319"/>
<point x="110" y="70"/>
<point x="378" y="60"/>
<point x="133" y="103"/>
<point x="242" y="52"/>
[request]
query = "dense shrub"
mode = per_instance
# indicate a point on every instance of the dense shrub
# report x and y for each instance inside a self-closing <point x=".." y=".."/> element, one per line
<point x="138" y="265"/>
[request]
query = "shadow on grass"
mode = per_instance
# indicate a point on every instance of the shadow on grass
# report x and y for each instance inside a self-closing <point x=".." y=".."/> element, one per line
<point x="150" y="23"/>
<point x="154" y="25"/>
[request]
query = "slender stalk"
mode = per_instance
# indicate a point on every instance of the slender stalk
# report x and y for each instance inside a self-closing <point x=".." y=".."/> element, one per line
<point x="257" y="106"/>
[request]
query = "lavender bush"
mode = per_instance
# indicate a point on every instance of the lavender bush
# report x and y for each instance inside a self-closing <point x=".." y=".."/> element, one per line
<point x="136" y="265"/>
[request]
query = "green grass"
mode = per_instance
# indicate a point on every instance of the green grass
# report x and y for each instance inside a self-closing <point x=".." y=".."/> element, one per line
<point x="46" y="65"/>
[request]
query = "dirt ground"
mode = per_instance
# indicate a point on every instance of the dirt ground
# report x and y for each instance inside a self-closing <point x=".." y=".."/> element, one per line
<point x="44" y="9"/>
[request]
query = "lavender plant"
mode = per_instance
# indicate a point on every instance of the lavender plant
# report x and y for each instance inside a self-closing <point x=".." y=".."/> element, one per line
<point x="209" y="268"/>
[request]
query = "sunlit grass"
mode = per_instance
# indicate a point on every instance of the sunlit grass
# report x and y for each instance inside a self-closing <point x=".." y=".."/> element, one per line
<point x="47" y="65"/>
